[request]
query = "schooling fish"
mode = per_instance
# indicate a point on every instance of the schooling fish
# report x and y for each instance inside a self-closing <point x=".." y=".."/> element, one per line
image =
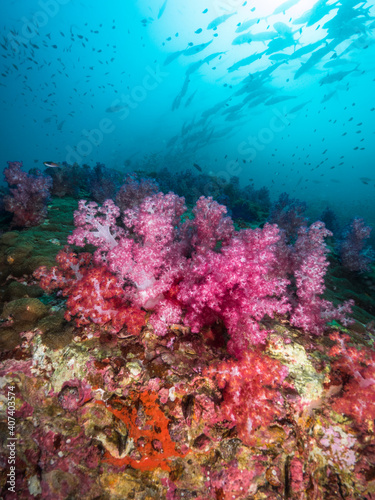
<point x="365" y="180"/>
<point x="51" y="164"/>
<point x="277" y="99"/>
<point x="336" y="77"/>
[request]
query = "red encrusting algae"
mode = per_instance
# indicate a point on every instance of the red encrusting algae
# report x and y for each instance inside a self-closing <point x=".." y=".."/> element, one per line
<point x="147" y="426"/>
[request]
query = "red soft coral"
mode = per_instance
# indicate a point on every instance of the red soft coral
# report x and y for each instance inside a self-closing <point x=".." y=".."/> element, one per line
<point x="94" y="294"/>
<point x="251" y="396"/>
<point x="357" y="371"/>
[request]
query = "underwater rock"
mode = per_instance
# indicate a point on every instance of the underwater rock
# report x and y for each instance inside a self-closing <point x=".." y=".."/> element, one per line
<point x="24" y="313"/>
<point x="100" y="424"/>
<point x="130" y="483"/>
<point x="57" y="333"/>
<point x="95" y="406"/>
<point x="16" y="290"/>
<point x="9" y="339"/>
<point x="16" y="257"/>
<point x="9" y="238"/>
<point x="307" y="381"/>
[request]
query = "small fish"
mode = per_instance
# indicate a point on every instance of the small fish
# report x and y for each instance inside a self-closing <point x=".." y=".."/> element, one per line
<point x="197" y="167"/>
<point x="299" y="107"/>
<point x="365" y="180"/>
<point x="51" y="164"/>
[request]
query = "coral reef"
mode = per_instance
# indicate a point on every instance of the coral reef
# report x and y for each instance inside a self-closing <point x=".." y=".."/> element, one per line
<point x="173" y="356"/>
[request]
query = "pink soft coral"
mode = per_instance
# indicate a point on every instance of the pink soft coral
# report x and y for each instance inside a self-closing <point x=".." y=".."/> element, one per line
<point x="310" y="266"/>
<point x="97" y="225"/>
<point x="147" y="256"/>
<point x="217" y="274"/>
<point x="211" y="225"/>
<point x="236" y="284"/>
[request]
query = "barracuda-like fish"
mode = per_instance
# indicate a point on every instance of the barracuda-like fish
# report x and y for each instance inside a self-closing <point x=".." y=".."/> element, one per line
<point x="196" y="49"/>
<point x="284" y="6"/>
<point x="336" y="77"/>
<point x="245" y="62"/>
<point x="219" y="20"/>
<point x="246" y="25"/>
<point x="162" y="9"/>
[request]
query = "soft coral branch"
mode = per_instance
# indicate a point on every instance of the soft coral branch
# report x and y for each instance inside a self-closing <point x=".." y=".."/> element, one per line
<point x="310" y="266"/>
<point x="237" y="285"/>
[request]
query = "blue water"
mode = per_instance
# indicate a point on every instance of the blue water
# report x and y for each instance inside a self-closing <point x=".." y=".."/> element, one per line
<point x="91" y="81"/>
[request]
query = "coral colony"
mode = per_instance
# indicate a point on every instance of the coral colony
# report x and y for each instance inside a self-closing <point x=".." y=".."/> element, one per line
<point x="177" y="351"/>
<point x="28" y="195"/>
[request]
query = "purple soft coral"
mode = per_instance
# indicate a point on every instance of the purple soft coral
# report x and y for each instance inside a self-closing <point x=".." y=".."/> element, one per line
<point x="133" y="192"/>
<point x="354" y="254"/>
<point x="29" y="195"/>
